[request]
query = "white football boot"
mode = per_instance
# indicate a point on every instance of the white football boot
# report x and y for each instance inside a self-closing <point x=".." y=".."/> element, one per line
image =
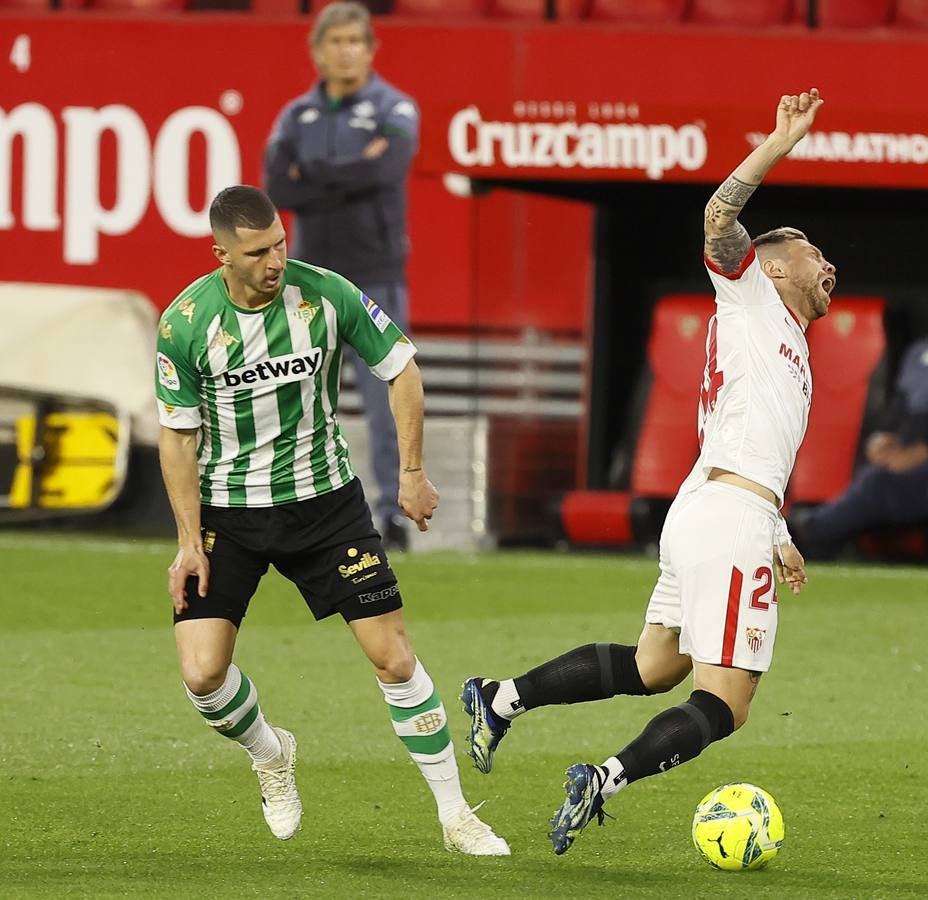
<point x="280" y="800"/>
<point x="467" y="834"/>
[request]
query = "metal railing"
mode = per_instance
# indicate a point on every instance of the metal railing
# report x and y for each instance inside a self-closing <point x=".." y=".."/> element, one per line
<point x="532" y="376"/>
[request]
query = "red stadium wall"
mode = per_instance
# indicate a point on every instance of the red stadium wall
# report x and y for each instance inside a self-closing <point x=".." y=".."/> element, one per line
<point x="116" y="131"/>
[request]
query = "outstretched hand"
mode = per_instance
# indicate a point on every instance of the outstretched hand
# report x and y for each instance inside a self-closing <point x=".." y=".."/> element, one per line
<point x="789" y="566"/>
<point x="795" y="115"/>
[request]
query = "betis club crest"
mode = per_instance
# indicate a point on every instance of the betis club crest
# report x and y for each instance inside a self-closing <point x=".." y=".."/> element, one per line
<point x="305" y="311"/>
<point x="755" y="637"/>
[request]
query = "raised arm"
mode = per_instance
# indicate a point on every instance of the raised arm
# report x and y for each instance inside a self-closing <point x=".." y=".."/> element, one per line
<point x="727" y="241"/>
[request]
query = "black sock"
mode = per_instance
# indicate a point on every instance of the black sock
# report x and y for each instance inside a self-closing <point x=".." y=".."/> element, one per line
<point x="677" y="735"/>
<point x="591" y="672"/>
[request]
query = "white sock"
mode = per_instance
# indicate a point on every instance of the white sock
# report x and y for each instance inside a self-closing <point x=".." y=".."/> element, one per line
<point x="262" y="744"/>
<point x="420" y="722"/>
<point x="507" y="704"/>
<point x="614" y="777"/>
<point x="232" y="709"/>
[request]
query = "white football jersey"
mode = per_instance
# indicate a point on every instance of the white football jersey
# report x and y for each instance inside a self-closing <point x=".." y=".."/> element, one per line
<point x="757" y="386"/>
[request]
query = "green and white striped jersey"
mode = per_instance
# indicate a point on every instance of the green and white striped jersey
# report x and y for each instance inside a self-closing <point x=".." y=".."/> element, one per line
<point x="262" y="385"/>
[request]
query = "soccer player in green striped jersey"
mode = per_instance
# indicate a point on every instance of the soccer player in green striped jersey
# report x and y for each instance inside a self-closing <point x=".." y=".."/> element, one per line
<point x="258" y="474"/>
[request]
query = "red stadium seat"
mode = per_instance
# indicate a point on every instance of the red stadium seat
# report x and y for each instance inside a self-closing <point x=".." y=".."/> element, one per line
<point x="637" y="11"/>
<point x="911" y="14"/>
<point x="845" y="349"/>
<point x="742" y="12"/>
<point x="39" y="5"/>
<point x="313" y="7"/>
<point x="277" y="7"/>
<point x="666" y="445"/>
<point x="437" y="8"/>
<point x="533" y="9"/>
<point x="140" y="5"/>
<point x="853" y="13"/>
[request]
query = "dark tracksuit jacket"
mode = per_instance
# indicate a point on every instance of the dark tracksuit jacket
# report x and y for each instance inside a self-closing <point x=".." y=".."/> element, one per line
<point x="350" y="212"/>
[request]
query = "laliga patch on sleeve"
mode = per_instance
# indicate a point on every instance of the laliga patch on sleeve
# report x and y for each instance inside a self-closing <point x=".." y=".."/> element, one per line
<point x="380" y="319"/>
<point x="167" y="373"/>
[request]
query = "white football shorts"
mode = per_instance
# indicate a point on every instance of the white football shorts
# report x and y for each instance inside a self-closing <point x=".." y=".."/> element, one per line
<point x="716" y="584"/>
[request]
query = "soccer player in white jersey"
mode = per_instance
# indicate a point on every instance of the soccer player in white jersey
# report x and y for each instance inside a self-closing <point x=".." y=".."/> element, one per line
<point x="714" y="608"/>
<point x="258" y="474"/>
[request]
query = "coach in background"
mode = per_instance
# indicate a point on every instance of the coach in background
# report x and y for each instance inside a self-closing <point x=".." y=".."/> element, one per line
<point x="892" y="488"/>
<point x="339" y="157"/>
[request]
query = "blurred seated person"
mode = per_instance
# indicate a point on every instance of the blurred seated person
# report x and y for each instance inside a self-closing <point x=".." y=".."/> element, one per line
<point x="892" y="487"/>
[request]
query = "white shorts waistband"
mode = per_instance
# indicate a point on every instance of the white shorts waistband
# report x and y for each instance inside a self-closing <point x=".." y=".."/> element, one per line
<point x="755" y="501"/>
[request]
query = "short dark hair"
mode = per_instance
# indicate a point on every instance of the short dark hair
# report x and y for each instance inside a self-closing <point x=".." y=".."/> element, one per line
<point x="241" y="206"/>
<point x="779" y="235"/>
<point x="347" y="13"/>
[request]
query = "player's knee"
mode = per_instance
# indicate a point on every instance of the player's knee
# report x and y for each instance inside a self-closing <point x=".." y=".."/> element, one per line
<point x="395" y="664"/>
<point x="659" y="683"/>
<point x="203" y="677"/>
<point x="662" y="673"/>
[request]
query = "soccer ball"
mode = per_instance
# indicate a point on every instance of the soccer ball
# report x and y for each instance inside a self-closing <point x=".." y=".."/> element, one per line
<point x="738" y="827"/>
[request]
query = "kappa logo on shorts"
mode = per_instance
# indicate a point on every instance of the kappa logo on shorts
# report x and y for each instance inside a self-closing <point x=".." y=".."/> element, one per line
<point x="374" y="596"/>
<point x="209" y="541"/>
<point x="755" y="637"/>
<point x="357" y="571"/>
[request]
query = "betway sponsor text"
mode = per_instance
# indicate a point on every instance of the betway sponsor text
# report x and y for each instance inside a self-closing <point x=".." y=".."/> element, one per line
<point x="276" y="370"/>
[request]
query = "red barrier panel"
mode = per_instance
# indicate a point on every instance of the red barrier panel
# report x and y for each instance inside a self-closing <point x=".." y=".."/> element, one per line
<point x="114" y="132"/>
<point x="598" y="517"/>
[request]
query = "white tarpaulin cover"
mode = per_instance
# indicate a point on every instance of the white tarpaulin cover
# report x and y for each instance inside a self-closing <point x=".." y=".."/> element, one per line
<point x="85" y="342"/>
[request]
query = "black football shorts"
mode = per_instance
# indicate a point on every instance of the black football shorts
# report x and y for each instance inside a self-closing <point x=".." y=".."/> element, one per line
<point x="326" y="545"/>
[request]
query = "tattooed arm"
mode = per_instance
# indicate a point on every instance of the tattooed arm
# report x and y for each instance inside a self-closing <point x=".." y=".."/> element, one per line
<point x="727" y="241"/>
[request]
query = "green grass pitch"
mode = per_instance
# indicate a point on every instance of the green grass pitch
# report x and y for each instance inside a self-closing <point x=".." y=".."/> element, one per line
<point x="111" y="785"/>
